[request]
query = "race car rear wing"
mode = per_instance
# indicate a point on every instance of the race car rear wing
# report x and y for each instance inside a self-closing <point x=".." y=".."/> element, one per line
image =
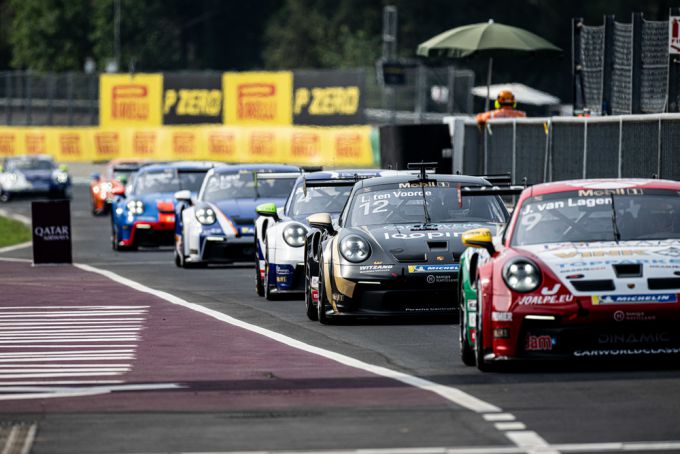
<point x="332" y="182"/>
<point x="276" y="175"/>
<point x="467" y="191"/>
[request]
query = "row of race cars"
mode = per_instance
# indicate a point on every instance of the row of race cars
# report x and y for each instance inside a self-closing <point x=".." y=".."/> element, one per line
<point x="581" y="269"/>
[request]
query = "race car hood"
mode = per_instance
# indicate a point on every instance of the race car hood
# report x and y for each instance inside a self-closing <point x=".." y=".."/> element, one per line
<point x="242" y="211"/>
<point x="608" y="269"/>
<point x="36" y="175"/>
<point x="415" y="243"/>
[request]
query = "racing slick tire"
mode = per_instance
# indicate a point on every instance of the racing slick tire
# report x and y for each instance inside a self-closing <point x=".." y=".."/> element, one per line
<point x="323" y="303"/>
<point x="481" y="363"/>
<point x="115" y="245"/>
<point x="309" y="303"/>
<point x="467" y="353"/>
<point x="4" y="196"/>
<point x="269" y="296"/>
<point x="259" y="285"/>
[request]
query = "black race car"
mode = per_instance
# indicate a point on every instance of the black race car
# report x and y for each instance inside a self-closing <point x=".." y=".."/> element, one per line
<point x="396" y="246"/>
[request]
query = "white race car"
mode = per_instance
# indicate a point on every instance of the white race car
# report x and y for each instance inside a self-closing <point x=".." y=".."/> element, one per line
<point x="217" y="227"/>
<point x="280" y="233"/>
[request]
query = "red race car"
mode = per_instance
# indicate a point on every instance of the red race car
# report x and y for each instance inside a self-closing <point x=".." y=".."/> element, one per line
<point x="584" y="269"/>
<point x="103" y="188"/>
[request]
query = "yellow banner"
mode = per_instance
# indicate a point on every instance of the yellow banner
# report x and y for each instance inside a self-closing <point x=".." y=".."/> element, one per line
<point x="258" y="98"/>
<point x="330" y="146"/>
<point x="130" y="100"/>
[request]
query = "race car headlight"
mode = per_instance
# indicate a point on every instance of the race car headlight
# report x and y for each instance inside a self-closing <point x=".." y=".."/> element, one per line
<point x="522" y="275"/>
<point x="206" y="216"/>
<point x="294" y="235"/>
<point x="60" y="177"/>
<point x="135" y="206"/>
<point x="355" y="249"/>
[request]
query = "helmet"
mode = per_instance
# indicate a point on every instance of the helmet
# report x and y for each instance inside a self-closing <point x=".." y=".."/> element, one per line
<point x="505" y="98"/>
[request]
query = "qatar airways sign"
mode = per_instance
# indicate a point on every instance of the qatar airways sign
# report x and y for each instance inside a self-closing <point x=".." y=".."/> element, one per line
<point x="51" y="232"/>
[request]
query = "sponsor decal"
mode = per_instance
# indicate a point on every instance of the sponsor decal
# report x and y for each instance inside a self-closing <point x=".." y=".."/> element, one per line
<point x="624" y="316"/>
<point x="192" y="98"/>
<point x="501" y="316"/>
<point x="670" y="252"/>
<point x="601" y="253"/>
<point x="448" y="268"/>
<point x="70" y="144"/>
<point x="338" y="297"/>
<point x="427" y="309"/>
<point x="537" y="300"/>
<point x="144" y="143"/>
<point x="472" y="304"/>
<point x="417" y="235"/>
<point x="306" y="145"/>
<point x="538" y="343"/>
<point x="258" y="98"/>
<point x="627" y="352"/>
<point x="443" y="278"/>
<point x="7" y="144"/>
<point x="601" y="264"/>
<point x="472" y="319"/>
<point x="52" y="233"/>
<point x="635" y="299"/>
<point x="633" y="338"/>
<point x="130" y="100"/>
<point x="430" y="279"/>
<point x="328" y="97"/>
<point x="348" y="146"/>
<point x="551" y="291"/>
<point x="221" y="144"/>
<point x="425" y="184"/>
<point x="375" y="268"/>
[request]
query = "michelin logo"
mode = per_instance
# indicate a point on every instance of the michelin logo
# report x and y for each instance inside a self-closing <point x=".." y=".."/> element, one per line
<point x="635" y="299"/>
<point x="448" y="268"/>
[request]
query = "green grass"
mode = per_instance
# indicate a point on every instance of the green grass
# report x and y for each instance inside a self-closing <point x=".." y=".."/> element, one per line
<point x="13" y="232"/>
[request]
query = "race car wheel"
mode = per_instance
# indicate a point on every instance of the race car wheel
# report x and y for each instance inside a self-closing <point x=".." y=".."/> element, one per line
<point x="178" y="259"/>
<point x="467" y="354"/>
<point x="4" y="196"/>
<point x="259" y="286"/>
<point x="322" y="304"/>
<point x="482" y="364"/>
<point x="267" y="288"/>
<point x="309" y="303"/>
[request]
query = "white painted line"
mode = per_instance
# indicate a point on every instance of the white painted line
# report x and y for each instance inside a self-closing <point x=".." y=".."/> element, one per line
<point x="86" y="391"/>
<point x="60" y="374"/>
<point x="67" y="352"/>
<point x="91" y="312"/>
<point x="39" y="315"/>
<point x="449" y="393"/>
<point x="9" y="443"/>
<point x="15" y="247"/>
<point x="58" y="382"/>
<point x="68" y="346"/>
<point x="499" y="417"/>
<point x="66" y="330"/>
<point x="109" y="320"/>
<point x="10" y="367"/>
<point x="514" y="425"/>
<point x="70" y="339"/>
<point x="65" y="358"/>
<point x="17" y="217"/>
<point x="62" y="334"/>
<point x="73" y="307"/>
<point x="79" y="324"/>
<point x="531" y="442"/>
<point x="4" y="373"/>
<point x="9" y="259"/>
<point x="28" y="441"/>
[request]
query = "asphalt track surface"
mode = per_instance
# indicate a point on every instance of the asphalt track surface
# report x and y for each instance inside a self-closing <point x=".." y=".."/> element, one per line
<point x="219" y="370"/>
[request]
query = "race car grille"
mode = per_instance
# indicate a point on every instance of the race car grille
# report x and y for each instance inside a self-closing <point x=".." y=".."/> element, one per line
<point x="243" y="221"/>
<point x="593" y="285"/>
<point x="410" y="256"/>
<point x="663" y="283"/>
<point x="154" y="237"/>
<point x="628" y="270"/>
<point x="226" y="252"/>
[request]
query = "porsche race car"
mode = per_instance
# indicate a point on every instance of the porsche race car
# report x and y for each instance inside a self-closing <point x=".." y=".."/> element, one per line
<point x="281" y="233"/>
<point x="585" y="269"/>
<point x="396" y="247"/>
<point x="146" y="215"/>
<point x="218" y="227"/>
<point x="103" y="188"/>
<point x="33" y="175"/>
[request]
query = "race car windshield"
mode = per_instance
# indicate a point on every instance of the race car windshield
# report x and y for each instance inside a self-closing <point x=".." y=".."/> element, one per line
<point x="168" y="181"/>
<point x="329" y="199"/>
<point x="119" y="174"/>
<point x="30" y="164"/>
<point x="243" y="185"/>
<point x="568" y="217"/>
<point x="394" y="205"/>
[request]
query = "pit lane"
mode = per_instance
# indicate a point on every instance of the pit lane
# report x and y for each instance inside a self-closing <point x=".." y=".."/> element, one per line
<point x="564" y="406"/>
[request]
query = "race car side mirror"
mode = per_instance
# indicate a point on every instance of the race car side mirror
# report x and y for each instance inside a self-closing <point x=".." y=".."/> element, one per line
<point x="321" y="221"/>
<point x="479" y="238"/>
<point x="183" y="196"/>
<point x="268" y="210"/>
<point x="95" y="177"/>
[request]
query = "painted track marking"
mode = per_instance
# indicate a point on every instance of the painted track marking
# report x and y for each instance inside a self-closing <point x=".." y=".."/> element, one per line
<point x="527" y="440"/>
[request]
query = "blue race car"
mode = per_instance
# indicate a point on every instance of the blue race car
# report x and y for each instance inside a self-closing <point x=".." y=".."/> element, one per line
<point x="218" y="226"/>
<point x="33" y="175"/>
<point x="145" y="216"/>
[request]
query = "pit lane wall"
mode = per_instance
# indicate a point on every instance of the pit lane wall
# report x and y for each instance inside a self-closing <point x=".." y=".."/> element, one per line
<point x="562" y="148"/>
<point x="329" y="146"/>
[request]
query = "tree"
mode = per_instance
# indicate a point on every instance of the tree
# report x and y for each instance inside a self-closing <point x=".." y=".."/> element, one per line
<point x="49" y="35"/>
<point x="150" y="34"/>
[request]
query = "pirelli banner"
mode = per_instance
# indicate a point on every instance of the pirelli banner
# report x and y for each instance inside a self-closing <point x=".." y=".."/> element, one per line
<point x="329" y="97"/>
<point x="130" y="100"/>
<point x="192" y="98"/>
<point x="337" y="146"/>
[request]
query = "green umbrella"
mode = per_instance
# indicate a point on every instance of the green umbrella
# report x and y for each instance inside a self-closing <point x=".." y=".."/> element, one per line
<point x="485" y="40"/>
